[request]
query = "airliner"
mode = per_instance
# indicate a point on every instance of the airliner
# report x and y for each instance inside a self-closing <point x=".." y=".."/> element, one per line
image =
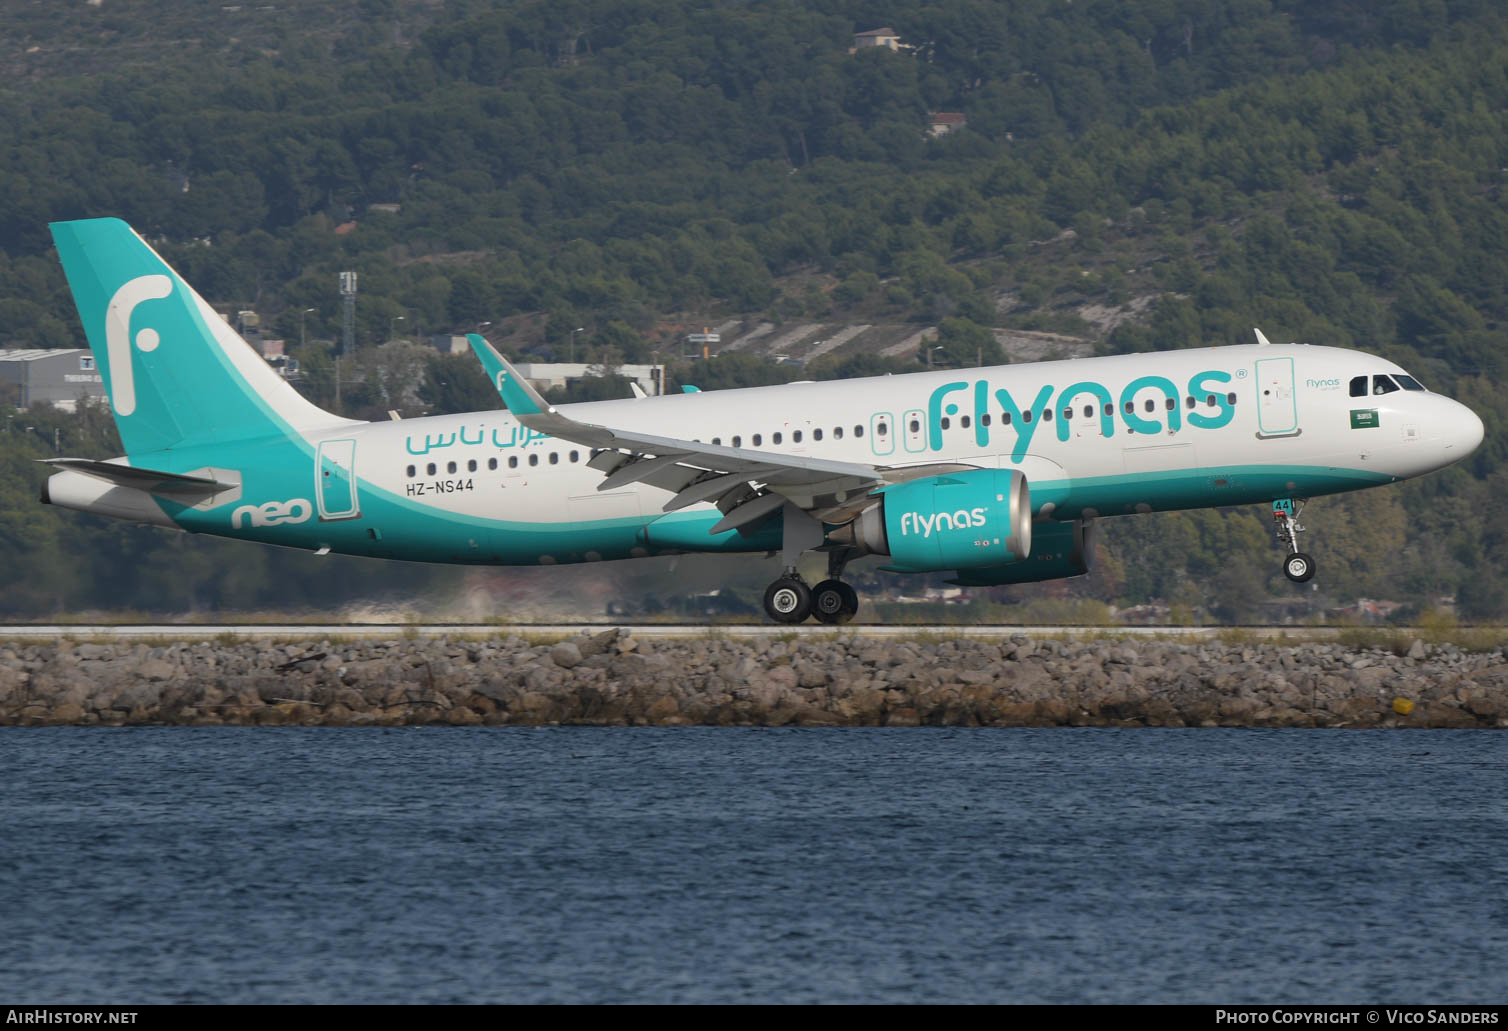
<point x="993" y="474"/>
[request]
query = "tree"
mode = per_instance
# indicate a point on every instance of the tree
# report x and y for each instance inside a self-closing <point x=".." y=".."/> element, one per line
<point x="456" y="383"/>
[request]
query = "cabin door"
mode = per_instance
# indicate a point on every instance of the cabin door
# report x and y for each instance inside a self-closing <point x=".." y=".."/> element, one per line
<point x="335" y="480"/>
<point x="1277" y="400"/>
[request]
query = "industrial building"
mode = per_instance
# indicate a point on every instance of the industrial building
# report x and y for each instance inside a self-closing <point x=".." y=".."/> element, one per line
<point x="58" y="377"/>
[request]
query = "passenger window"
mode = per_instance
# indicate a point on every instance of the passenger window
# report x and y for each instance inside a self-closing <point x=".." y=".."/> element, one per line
<point x="984" y="420"/>
<point x="429" y="470"/>
<point x="858" y="431"/>
<point x="492" y="463"/>
<point x="1068" y="413"/>
<point x="512" y="461"/>
<point x="916" y="427"/>
<point x="1150" y="405"/>
<point x="775" y="438"/>
<point x="554" y="458"/>
<point x="816" y="434"/>
<point x="1209" y="402"/>
<point x="450" y="467"/>
<point x="1089" y="411"/>
<point x="837" y="432"/>
<point x="471" y="465"/>
<point x="410" y="471"/>
<point x="880" y="429"/>
<point x="1383" y="385"/>
<point x="946" y="423"/>
<point x="963" y="421"/>
<point x="796" y="437"/>
<point x="1230" y="399"/>
<point x="575" y="455"/>
<point x="738" y="442"/>
<point x="1172" y="404"/>
<point x="717" y="441"/>
<point x="758" y="439"/>
<point x="533" y="459"/>
<point x="1005" y="418"/>
<point x="1188" y="402"/>
<point x="1046" y="414"/>
<point x="1359" y="386"/>
<point x="1130" y="407"/>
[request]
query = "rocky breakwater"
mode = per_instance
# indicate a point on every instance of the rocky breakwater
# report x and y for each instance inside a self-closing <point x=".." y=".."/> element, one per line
<point x="609" y="678"/>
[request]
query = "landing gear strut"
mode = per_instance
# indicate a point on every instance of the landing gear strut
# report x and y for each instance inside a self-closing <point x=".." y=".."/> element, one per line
<point x="1297" y="566"/>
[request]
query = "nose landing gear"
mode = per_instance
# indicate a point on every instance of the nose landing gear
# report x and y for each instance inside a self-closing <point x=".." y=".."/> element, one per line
<point x="1297" y="566"/>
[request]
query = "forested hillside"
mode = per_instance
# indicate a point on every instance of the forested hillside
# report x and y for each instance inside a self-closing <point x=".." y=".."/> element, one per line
<point x="1148" y="175"/>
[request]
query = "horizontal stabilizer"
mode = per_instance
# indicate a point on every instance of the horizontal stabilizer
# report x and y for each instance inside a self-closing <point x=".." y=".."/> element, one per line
<point x="149" y="480"/>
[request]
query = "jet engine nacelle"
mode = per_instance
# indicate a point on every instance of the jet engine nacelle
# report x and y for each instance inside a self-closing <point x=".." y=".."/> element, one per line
<point x="1058" y="550"/>
<point x="982" y="517"/>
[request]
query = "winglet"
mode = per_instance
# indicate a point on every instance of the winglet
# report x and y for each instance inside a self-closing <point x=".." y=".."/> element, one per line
<point x="518" y="394"/>
<point x="1260" y="338"/>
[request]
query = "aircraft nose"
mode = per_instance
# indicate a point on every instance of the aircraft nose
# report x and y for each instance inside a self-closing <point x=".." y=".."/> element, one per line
<point x="1463" y="432"/>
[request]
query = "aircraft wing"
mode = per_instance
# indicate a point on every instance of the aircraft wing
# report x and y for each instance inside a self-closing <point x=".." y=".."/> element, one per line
<point x="150" y="480"/>
<point x="747" y="485"/>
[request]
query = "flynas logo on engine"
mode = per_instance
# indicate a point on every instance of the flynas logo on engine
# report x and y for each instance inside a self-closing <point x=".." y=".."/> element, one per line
<point x="914" y="522"/>
<point x="118" y="336"/>
<point x="1213" y="408"/>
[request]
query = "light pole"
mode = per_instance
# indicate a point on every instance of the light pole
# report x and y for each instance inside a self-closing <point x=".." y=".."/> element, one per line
<point x="302" y="342"/>
<point x="578" y="329"/>
<point x="481" y="326"/>
<point x="391" y="323"/>
<point x="930" y="350"/>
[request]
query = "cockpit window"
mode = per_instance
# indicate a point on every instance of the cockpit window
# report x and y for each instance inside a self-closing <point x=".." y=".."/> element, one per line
<point x="1383" y="385"/>
<point x="1408" y="382"/>
<point x="1359" y="386"/>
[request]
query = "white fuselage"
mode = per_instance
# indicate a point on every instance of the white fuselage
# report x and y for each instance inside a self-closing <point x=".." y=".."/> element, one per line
<point x="1285" y="409"/>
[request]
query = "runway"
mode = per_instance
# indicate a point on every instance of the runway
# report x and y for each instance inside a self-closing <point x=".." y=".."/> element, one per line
<point x="321" y="631"/>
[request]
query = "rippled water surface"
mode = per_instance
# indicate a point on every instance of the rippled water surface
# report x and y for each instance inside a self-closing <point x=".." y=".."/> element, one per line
<point x="740" y="864"/>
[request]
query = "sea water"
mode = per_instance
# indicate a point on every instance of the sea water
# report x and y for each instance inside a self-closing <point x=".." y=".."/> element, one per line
<point x="714" y="865"/>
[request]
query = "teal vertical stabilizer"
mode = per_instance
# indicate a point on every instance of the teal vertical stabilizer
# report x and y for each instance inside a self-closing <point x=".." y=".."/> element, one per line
<point x="176" y="373"/>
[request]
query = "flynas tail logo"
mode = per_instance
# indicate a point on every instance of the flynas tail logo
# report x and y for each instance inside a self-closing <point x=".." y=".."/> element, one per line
<point x="118" y="336"/>
<point x="964" y="518"/>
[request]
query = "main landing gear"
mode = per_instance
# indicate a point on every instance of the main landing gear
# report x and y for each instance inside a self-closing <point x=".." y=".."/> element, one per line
<point x="1297" y="566"/>
<point x="790" y="600"/>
